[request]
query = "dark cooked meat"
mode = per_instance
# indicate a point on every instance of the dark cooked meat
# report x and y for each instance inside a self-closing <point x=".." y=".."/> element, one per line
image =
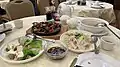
<point x="45" y="27"/>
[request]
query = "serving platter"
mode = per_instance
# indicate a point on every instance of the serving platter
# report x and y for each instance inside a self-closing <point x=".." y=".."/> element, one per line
<point x="87" y="37"/>
<point x="64" y="28"/>
<point x="4" y="54"/>
<point x="91" y="59"/>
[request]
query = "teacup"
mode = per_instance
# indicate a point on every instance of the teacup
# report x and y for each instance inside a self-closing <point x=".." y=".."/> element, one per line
<point x="107" y="43"/>
<point x="96" y="3"/>
<point x="18" y="24"/>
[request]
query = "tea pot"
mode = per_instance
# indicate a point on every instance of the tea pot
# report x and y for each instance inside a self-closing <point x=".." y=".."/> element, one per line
<point x="64" y="9"/>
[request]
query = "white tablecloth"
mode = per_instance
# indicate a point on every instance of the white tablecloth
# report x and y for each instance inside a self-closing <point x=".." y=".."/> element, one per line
<point x="106" y="13"/>
<point x="43" y="60"/>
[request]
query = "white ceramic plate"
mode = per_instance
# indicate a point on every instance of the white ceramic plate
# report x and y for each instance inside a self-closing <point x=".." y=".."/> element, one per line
<point x="2" y="37"/>
<point x="96" y="7"/>
<point x="64" y="38"/>
<point x="8" y="26"/>
<point x="96" y="60"/>
<point x="3" y="53"/>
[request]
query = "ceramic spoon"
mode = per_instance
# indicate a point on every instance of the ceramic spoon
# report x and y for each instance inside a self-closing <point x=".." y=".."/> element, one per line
<point x="94" y="40"/>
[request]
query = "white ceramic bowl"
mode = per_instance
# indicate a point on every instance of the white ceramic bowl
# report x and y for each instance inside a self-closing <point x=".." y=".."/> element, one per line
<point x="91" y="25"/>
<point x="58" y="43"/>
<point x="107" y="42"/>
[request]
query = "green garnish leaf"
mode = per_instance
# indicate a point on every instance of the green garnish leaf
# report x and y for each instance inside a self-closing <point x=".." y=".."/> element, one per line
<point x="36" y="44"/>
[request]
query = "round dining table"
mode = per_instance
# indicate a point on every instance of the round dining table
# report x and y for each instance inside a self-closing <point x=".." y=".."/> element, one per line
<point x="73" y="10"/>
<point x="44" y="60"/>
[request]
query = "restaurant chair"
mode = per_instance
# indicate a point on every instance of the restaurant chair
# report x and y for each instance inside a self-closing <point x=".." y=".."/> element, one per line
<point x="19" y="9"/>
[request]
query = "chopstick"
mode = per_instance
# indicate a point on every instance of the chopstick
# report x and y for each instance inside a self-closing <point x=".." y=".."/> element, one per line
<point x="5" y="31"/>
<point x="112" y="31"/>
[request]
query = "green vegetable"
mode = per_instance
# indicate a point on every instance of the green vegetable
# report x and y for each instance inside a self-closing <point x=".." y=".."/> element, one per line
<point x="36" y="44"/>
<point x="81" y="38"/>
<point x="34" y="47"/>
<point x="30" y="52"/>
<point x="78" y="35"/>
<point x="28" y="41"/>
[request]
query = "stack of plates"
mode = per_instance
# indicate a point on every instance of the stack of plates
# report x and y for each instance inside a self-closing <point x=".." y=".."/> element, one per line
<point x="92" y="25"/>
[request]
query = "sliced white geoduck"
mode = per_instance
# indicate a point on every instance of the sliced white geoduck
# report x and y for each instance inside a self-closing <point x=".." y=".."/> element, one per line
<point x="17" y="52"/>
<point x="20" y="52"/>
<point x="11" y="52"/>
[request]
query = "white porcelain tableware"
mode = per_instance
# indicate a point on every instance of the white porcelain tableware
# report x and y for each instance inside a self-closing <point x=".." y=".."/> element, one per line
<point x="107" y="43"/>
<point x="96" y="3"/>
<point x="7" y="26"/>
<point x="63" y="19"/>
<point x="18" y="23"/>
<point x="79" y="42"/>
<point x="16" y="41"/>
<point x="91" y="59"/>
<point x="72" y="23"/>
<point x="91" y="25"/>
<point x="56" y="49"/>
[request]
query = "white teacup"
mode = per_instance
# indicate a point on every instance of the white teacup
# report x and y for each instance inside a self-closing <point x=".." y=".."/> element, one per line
<point x="63" y="19"/>
<point x="18" y="24"/>
<point x="107" y="43"/>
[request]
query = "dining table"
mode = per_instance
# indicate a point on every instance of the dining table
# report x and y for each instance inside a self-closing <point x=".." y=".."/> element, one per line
<point x="43" y="60"/>
<point x="106" y="11"/>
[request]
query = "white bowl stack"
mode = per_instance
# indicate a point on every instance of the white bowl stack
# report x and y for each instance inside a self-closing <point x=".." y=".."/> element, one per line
<point x="92" y="25"/>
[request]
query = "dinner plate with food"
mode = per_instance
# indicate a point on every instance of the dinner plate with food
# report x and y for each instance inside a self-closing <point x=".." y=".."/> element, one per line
<point x="21" y="50"/>
<point x="78" y="41"/>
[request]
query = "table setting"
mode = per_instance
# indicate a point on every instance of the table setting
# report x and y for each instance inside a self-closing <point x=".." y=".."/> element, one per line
<point x="80" y="37"/>
<point x="95" y="9"/>
<point x="86" y="42"/>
